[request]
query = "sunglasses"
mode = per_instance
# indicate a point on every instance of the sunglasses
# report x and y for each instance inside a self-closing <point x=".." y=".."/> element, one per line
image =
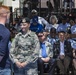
<point x="39" y="36"/>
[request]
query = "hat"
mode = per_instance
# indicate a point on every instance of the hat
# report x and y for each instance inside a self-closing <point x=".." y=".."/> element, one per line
<point x="34" y="11"/>
<point x="25" y="20"/>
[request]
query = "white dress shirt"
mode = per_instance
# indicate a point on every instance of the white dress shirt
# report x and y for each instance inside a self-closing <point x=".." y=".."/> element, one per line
<point x="62" y="48"/>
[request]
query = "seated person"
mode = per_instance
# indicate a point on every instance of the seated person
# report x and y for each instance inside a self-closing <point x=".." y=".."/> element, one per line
<point x="74" y="56"/>
<point x="62" y="52"/>
<point x="63" y="26"/>
<point x="41" y="20"/>
<point x="35" y="26"/>
<point x="45" y="53"/>
<point x="52" y="36"/>
<point x="53" y="23"/>
<point x="73" y="32"/>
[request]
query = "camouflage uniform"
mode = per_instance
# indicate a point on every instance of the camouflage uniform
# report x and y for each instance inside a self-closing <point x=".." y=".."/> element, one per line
<point x="25" y="48"/>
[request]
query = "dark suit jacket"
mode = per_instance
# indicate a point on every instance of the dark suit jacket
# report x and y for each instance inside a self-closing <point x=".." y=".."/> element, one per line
<point x="67" y="48"/>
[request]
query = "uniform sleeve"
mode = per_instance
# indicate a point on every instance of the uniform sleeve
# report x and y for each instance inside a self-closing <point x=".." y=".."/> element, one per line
<point x="34" y="56"/>
<point x="12" y="53"/>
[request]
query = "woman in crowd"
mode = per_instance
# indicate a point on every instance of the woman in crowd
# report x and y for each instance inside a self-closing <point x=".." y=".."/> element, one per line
<point x="24" y="50"/>
<point x="53" y="23"/>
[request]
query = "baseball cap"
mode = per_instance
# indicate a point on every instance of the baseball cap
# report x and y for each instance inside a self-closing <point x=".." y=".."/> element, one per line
<point x="34" y="11"/>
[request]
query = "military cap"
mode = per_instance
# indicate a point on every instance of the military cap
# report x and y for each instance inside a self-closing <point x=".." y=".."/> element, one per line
<point x="25" y="20"/>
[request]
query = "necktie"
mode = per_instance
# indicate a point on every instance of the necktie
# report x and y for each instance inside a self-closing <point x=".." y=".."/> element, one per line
<point x="43" y="47"/>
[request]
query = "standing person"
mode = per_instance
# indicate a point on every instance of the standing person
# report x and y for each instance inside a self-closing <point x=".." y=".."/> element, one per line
<point x="4" y="40"/>
<point x="24" y="50"/>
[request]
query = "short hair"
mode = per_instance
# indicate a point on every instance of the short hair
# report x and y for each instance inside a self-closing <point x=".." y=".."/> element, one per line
<point x="4" y="9"/>
<point x="53" y="30"/>
<point x="62" y="32"/>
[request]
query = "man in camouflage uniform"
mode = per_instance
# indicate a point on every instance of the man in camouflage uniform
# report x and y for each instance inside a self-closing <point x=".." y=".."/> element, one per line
<point x="24" y="50"/>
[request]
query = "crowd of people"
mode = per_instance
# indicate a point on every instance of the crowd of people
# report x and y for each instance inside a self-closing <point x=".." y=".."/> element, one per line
<point x="34" y="43"/>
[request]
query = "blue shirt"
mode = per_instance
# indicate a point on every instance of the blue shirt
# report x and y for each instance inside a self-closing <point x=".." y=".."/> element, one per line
<point x="35" y="25"/>
<point x="43" y="48"/>
<point x="73" y="29"/>
<point x="4" y="40"/>
<point x="36" y="28"/>
<point x="63" y="27"/>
